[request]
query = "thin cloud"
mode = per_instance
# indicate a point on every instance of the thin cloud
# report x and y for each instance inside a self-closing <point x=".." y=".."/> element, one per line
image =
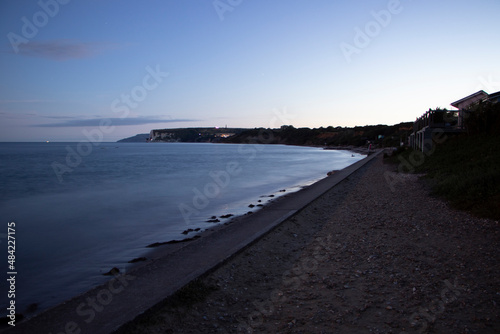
<point x="34" y="114"/>
<point x="24" y="101"/>
<point x="112" y="121"/>
<point x="61" y="50"/>
<point x="59" y="117"/>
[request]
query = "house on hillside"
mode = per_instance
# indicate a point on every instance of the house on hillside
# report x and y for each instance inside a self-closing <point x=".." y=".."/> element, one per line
<point x="467" y="101"/>
<point x="445" y="121"/>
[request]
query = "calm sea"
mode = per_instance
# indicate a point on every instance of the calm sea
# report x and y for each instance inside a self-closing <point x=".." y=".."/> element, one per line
<point x="80" y="212"/>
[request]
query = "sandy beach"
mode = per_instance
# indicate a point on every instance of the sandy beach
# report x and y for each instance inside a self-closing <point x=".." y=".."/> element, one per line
<point x="362" y="258"/>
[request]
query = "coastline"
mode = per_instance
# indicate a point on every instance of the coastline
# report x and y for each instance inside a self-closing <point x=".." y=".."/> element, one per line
<point x="350" y="148"/>
<point x="141" y="207"/>
<point x="277" y="212"/>
<point x="360" y="258"/>
<point x="163" y="248"/>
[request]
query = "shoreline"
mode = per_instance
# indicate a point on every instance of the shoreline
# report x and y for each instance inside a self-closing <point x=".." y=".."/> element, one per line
<point x="277" y="212"/>
<point x="99" y="252"/>
<point x="164" y="248"/>
<point x="360" y="258"/>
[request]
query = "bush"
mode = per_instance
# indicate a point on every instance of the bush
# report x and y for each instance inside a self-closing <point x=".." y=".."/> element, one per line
<point x="483" y="118"/>
<point x="466" y="171"/>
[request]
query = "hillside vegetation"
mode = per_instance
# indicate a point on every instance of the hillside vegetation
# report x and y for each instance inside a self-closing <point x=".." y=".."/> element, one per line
<point x="379" y="135"/>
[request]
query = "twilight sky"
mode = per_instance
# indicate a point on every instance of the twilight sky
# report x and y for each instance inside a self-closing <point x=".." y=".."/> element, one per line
<point x="122" y="67"/>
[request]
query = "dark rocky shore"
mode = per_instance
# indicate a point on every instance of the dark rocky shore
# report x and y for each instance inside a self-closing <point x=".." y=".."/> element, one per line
<point x="363" y="258"/>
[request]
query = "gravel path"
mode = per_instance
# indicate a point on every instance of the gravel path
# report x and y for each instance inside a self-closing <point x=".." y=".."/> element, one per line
<point x="363" y="258"/>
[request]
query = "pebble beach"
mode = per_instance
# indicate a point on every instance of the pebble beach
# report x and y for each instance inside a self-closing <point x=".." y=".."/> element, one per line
<point x="366" y="257"/>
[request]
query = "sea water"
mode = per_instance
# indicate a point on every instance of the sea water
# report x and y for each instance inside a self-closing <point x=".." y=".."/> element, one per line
<point x="80" y="213"/>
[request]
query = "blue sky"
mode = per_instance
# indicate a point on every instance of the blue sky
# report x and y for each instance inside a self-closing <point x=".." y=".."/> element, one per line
<point x="68" y="66"/>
